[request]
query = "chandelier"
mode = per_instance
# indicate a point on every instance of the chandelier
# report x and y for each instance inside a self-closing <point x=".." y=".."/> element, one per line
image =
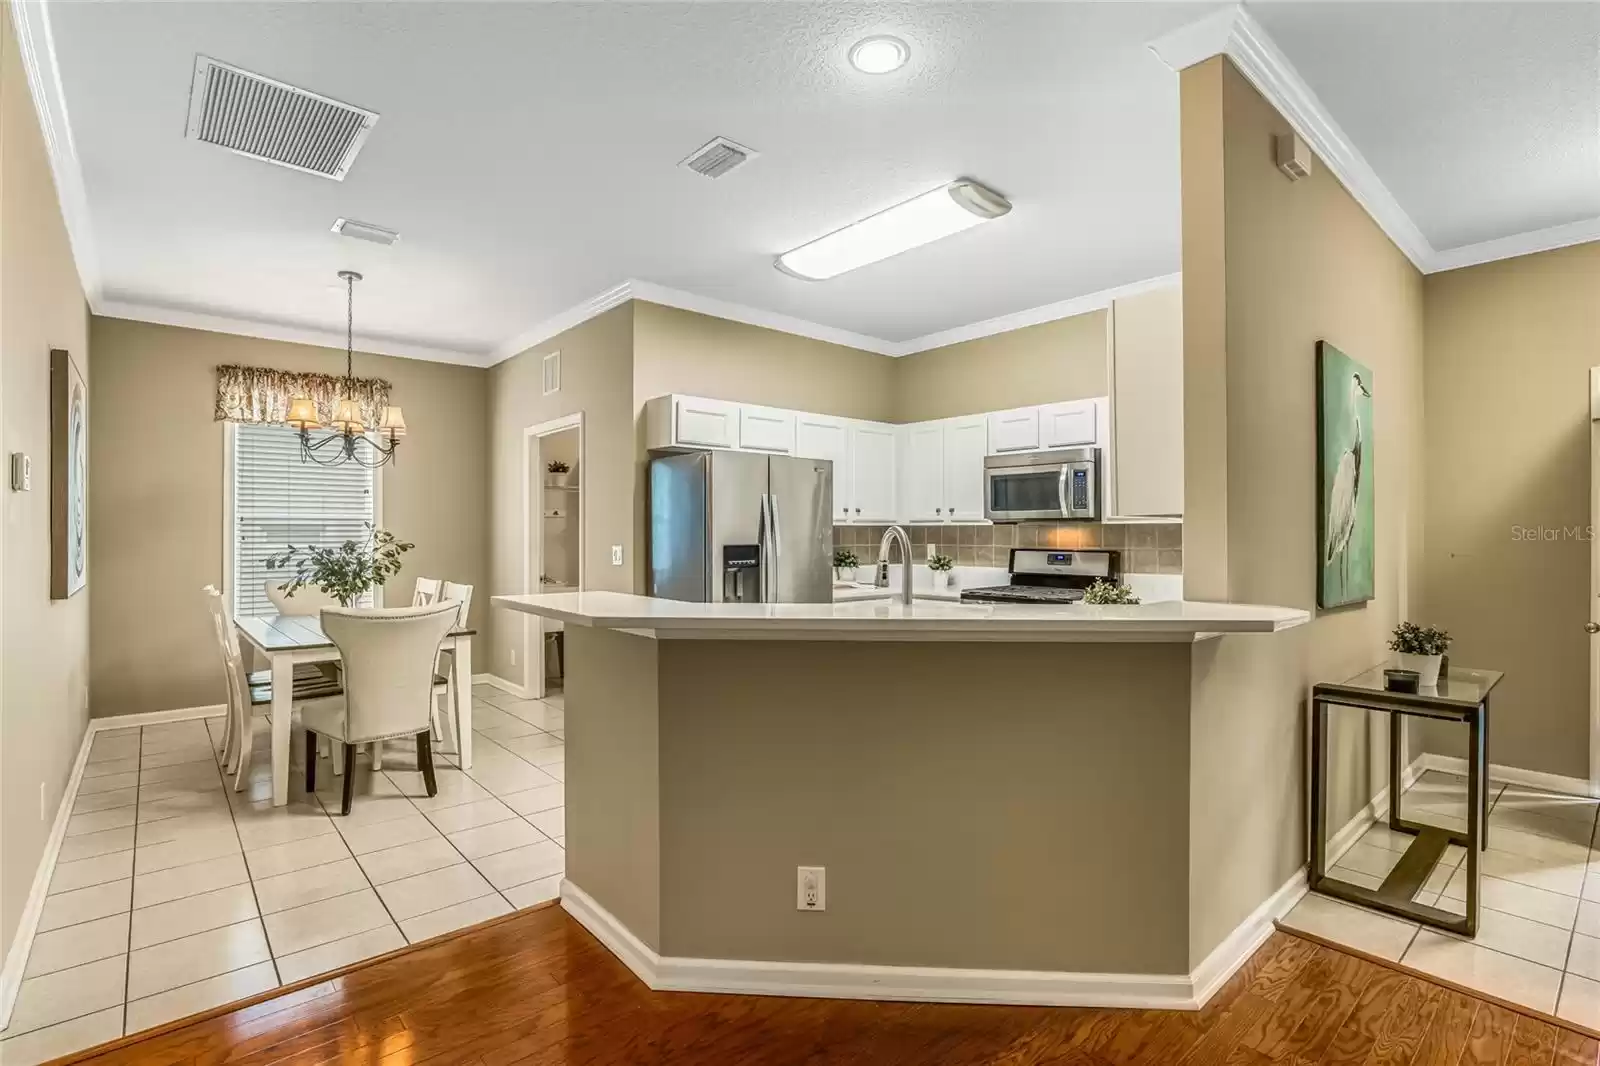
<point x="349" y="443"/>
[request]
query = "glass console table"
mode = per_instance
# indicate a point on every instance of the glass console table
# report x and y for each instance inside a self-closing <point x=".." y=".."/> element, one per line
<point x="1462" y="697"/>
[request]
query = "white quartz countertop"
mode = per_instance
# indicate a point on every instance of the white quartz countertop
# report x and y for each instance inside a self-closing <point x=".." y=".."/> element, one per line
<point x="1175" y="620"/>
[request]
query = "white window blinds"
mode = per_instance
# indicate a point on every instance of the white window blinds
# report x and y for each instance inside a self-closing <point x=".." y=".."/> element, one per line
<point x="279" y="500"/>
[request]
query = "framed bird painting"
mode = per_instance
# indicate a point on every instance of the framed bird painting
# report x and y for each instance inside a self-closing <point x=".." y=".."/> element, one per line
<point x="1344" y="479"/>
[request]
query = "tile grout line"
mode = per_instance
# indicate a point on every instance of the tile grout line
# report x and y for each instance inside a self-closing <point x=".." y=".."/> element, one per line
<point x="356" y="858"/>
<point x="249" y="878"/>
<point x="133" y="870"/>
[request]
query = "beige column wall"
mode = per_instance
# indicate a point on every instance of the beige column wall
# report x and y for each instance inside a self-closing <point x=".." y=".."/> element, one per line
<point x="1509" y="347"/>
<point x="44" y="680"/>
<point x="156" y="496"/>
<point x="1300" y="262"/>
<point x="596" y="380"/>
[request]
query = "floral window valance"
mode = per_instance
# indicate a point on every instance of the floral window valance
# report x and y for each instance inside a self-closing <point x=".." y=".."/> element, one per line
<point x="261" y="394"/>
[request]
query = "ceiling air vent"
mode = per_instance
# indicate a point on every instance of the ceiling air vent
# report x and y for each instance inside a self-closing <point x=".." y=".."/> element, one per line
<point x="718" y="156"/>
<point x="274" y="122"/>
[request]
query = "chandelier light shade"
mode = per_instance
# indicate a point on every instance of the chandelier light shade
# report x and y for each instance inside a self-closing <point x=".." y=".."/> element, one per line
<point x="348" y="443"/>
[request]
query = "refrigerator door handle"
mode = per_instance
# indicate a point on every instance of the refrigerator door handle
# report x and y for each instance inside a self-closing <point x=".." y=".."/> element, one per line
<point x="777" y="528"/>
<point x="765" y="536"/>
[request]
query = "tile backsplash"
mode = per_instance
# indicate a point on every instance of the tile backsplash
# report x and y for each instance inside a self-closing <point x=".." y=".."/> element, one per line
<point x="1146" y="549"/>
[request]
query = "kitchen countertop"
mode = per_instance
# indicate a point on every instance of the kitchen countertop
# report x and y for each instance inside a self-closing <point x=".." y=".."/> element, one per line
<point x="1175" y="621"/>
<point x="858" y="591"/>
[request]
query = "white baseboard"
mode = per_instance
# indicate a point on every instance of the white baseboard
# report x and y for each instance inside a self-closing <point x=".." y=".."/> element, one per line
<point x="1512" y="775"/>
<point x="1376" y="809"/>
<point x="22" y="942"/>
<point x="16" y="960"/>
<point x="522" y="692"/>
<point x="933" y="984"/>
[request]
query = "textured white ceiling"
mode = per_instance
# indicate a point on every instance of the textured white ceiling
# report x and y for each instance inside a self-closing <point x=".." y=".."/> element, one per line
<point x="527" y="153"/>
<point x="1482" y="119"/>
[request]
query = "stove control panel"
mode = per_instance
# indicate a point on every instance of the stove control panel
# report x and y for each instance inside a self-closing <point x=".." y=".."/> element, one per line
<point x="1048" y="561"/>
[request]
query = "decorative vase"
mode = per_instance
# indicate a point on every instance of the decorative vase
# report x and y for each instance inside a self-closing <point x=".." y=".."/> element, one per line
<point x="941" y="579"/>
<point x="1426" y="666"/>
<point x="559" y="481"/>
<point x="844" y="573"/>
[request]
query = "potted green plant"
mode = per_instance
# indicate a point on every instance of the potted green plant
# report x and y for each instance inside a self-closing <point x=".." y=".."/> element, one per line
<point x="346" y="572"/>
<point x="1420" y="648"/>
<point x="560" y="473"/>
<point x="942" y="567"/>
<point x="1109" y="592"/>
<point x="844" y="564"/>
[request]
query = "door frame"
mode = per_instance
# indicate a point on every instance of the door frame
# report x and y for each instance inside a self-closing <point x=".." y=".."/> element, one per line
<point x="1594" y="580"/>
<point x="533" y="538"/>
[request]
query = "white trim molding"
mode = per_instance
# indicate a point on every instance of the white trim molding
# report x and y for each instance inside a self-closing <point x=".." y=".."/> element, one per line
<point x="1233" y="32"/>
<point x="1514" y="775"/>
<point x="16" y="960"/>
<point x="1034" y="316"/>
<point x="934" y="984"/>
<point x="496" y="681"/>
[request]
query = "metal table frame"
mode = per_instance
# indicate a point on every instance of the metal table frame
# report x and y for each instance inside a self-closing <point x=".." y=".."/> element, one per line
<point x="1469" y="706"/>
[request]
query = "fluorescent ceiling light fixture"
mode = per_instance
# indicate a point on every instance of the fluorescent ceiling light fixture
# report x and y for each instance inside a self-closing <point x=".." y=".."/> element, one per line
<point x="879" y="55"/>
<point x="920" y="220"/>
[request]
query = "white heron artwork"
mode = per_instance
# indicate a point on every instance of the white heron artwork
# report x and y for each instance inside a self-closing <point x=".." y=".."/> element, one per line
<point x="1345" y="484"/>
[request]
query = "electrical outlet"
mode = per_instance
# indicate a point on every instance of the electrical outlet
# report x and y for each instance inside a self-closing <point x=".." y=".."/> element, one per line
<point x="811" y="888"/>
<point x="44" y="805"/>
<point x="616" y="555"/>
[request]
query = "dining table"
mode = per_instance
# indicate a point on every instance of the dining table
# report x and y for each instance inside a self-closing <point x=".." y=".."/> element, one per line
<point x="285" y="640"/>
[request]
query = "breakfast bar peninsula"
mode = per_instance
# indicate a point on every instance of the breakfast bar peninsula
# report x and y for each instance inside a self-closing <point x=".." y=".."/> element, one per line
<point x="998" y="798"/>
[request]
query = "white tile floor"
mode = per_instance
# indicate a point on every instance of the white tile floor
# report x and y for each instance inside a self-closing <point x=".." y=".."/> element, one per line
<point x="174" y="894"/>
<point x="1538" y="941"/>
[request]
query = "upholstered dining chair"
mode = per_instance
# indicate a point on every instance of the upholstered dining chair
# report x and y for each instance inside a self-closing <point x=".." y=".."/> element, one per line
<point x="305" y="603"/>
<point x="247" y="691"/>
<point x="389" y="656"/>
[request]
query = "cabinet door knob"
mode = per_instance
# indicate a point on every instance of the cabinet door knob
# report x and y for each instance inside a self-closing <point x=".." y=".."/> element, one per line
<point x="938" y="510"/>
<point x="858" y="510"/>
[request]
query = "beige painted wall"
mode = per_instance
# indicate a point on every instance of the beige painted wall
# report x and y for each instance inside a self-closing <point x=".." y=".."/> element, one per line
<point x="44" y="679"/>
<point x="1302" y="262"/>
<point x="1509" y="347"/>
<point x="1060" y="360"/>
<point x="597" y="380"/>
<point x="156" y="496"/>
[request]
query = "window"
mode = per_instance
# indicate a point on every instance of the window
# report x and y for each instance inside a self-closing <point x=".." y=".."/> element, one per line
<point x="278" y="500"/>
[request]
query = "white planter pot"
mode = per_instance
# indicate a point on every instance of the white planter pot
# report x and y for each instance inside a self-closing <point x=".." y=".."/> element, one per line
<point x="1426" y="666"/>
<point x="844" y="573"/>
<point x="942" y="579"/>
<point x="558" y="481"/>
<point x="866" y="574"/>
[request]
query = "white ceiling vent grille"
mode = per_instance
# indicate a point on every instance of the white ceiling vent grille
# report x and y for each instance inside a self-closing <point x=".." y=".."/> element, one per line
<point x="718" y="156"/>
<point x="552" y="373"/>
<point x="274" y="122"/>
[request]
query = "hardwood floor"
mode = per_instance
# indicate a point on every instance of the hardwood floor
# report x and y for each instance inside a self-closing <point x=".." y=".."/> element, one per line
<point x="537" y="989"/>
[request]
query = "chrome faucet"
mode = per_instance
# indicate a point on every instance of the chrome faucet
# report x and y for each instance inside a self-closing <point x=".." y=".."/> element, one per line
<point x="892" y="534"/>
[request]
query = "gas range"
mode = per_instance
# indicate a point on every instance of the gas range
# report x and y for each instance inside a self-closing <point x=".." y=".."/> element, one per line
<point x="1047" y="576"/>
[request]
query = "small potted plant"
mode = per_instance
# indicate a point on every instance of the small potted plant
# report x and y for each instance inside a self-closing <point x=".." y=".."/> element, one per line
<point x="1109" y="592"/>
<point x="943" y="570"/>
<point x="560" y="472"/>
<point x="1420" y="648"/>
<point x="347" y="572"/>
<point x="844" y="564"/>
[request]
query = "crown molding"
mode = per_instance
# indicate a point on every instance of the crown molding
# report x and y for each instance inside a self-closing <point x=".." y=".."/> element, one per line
<point x="1035" y="316"/>
<point x="755" y="316"/>
<point x="560" y="322"/>
<point x="276" y="331"/>
<point x="36" y="42"/>
<point x="1539" y="240"/>
<point x="1234" y="33"/>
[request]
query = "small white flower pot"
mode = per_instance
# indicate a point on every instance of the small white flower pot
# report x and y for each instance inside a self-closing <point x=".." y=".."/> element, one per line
<point x="866" y="574"/>
<point x="1426" y="666"/>
<point x="942" y="579"/>
<point x="844" y="573"/>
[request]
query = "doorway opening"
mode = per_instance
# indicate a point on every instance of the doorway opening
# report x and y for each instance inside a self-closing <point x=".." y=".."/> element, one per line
<point x="553" y="539"/>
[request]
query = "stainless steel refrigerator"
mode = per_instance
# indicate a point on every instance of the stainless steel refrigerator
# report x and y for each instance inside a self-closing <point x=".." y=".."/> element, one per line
<point x="740" y="527"/>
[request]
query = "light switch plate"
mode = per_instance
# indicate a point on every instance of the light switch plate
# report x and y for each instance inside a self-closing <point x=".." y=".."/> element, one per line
<point x="21" y="472"/>
<point x="616" y="555"/>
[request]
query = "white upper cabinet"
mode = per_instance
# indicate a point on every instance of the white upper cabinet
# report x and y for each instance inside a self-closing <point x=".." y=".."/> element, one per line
<point x="822" y="437"/>
<point x="1144" y="473"/>
<point x="766" y="429"/>
<point x="965" y="444"/>
<point x="1068" y="425"/>
<point x="872" y="473"/>
<point x="922" y="482"/>
<point x="704" y="423"/>
<point x="1014" y="431"/>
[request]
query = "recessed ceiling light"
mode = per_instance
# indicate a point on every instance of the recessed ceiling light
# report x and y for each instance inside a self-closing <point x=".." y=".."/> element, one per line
<point x="939" y="213"/>
<point x="879" y="55"/>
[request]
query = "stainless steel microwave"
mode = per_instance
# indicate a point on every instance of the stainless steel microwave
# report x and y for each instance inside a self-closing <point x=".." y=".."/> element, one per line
<point x="1059" y="485"/>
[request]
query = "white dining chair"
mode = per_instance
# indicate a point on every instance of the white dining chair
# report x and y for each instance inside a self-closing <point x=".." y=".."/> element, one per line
<point x="425" y="592"/>
<point x="305" y="603"/>
<point x="461" y="596"/>
<point x="389" y="656"/>
<point x="247" y="691"/>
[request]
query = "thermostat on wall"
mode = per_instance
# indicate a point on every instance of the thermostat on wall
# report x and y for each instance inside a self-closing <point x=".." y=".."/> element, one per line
<point x="21" y="472"/>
